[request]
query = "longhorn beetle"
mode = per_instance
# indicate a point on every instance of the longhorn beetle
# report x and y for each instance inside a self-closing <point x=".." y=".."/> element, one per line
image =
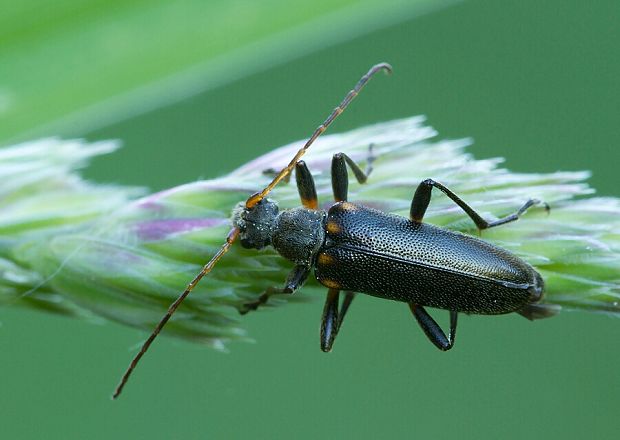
<point x="354" y="248"/>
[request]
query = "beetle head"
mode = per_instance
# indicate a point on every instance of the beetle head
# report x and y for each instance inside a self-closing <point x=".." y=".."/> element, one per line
<point x="255" y="224"/>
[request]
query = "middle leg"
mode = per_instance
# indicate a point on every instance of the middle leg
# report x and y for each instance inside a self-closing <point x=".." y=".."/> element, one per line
<point x="332" y="318"/>
<point x="340" y="176"/>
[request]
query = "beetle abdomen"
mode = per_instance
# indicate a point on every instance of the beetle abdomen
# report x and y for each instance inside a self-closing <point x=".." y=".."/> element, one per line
<point x="392" y="257"/>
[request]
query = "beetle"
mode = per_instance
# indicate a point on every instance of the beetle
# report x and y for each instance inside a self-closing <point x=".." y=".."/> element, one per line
<point x="358" y="249"/>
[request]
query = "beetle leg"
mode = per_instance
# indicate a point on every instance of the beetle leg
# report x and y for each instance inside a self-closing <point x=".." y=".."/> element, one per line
<point x="432" y="330"/>
<point x="305" y="186"/>
<point x="422" y="198"/>
<point x="515" y="216"/>
<point x="295" y="279"/>
<point x="348" y="299"/>
<point x="340" y="176"/>
<point x="329" y="321"/>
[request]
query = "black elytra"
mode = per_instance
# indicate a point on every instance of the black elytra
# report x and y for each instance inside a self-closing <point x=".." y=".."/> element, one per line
<point x="354" y="248"/>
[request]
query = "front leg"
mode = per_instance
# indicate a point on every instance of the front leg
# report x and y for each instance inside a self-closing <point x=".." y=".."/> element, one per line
<point x="305" y="186"/>
<point x="295" y="279"/>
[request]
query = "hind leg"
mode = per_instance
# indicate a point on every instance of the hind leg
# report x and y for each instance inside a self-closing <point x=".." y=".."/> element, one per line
<point x="432" y="330"/>
<point x="422" y="198"/>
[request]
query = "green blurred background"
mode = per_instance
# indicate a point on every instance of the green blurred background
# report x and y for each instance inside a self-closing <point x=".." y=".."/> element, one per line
<point x="194" y="90"/>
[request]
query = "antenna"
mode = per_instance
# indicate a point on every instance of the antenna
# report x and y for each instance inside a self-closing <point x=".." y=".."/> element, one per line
<point x="251" y="202"/>
<point x="230" y="239"/>
<point x="254" y="199"/>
